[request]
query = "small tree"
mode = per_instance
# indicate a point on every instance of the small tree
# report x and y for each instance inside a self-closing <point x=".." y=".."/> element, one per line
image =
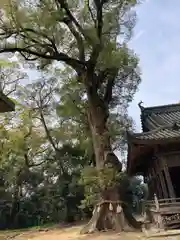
<point x="91" y="38"/>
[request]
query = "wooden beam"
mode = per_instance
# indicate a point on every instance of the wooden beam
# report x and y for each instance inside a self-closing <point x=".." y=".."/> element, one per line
<point x="150" y="185"/>
<point x="159" y="191"/>
<point x="156" y="183"/>
<point x="153" y="178"/>
<point x="154" y="142"/>
<point x="161" y="178"/>
<point x="163" y="185"/>
<point x="172" y="159"/>
<point x="168" y="179"/>
<point x="159" y="187"/>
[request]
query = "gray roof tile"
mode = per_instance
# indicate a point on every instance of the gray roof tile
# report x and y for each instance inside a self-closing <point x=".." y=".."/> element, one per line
<point x="155" y="117"/>
<point x="161" y="134"/>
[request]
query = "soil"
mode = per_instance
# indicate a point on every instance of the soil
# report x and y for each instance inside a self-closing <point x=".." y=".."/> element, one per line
<point x="72" y="233"/>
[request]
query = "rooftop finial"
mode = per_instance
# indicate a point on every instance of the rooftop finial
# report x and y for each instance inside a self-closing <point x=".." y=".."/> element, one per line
<point x="175" y="126"/>
<point x="140" y="105"/>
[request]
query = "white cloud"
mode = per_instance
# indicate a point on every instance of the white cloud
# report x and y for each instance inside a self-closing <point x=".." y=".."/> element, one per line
<point x="137" y="35"/>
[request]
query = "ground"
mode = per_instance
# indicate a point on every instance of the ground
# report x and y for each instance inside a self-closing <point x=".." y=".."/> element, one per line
<point x="72" y="233"/>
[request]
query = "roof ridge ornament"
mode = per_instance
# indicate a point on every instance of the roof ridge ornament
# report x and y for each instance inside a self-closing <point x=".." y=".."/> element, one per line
<point x="140" y="105"/>
<point x="175" y="126"/>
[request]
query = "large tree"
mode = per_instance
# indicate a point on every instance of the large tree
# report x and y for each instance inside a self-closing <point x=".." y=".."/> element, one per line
<point x="91" y="38"/>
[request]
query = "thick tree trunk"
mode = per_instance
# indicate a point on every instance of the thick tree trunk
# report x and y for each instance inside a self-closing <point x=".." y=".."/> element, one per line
<point x="110" y="213"/>
<point x="97" y="116"/>
<point x="14" y="208"/>
<point x="101" y="140"/>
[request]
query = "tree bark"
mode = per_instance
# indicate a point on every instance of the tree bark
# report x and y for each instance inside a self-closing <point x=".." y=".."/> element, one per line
<point x="105" y="215"/>
<point x="97" y="120"/>
<point x="14" y="208"/>
<point x="111" y="214"/>
<point x="98" y="114"/>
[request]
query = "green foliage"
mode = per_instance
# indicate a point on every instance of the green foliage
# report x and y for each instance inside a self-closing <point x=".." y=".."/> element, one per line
<point x="95" y="32"/>
<point x="139" y="191"/>
<point x="43" y="192"/>
<point x="96" y="181"/>
<point x="51" y="187"/>
<point x="131" y="190"/>
<point x="48" y="140"/>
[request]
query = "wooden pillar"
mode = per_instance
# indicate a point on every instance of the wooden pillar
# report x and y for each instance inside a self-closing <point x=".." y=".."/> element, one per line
<point x="154" y="186"/>
<point x="159" y="193"/>
<point x="157" y="183"/>
<point x="158" y="218"/>
<point x="163" y="185"/>
<point x="168" y="179"/>
<point x="159" y="187"/>
<point x="161" y="178"/>
<point x="150" y="185"/>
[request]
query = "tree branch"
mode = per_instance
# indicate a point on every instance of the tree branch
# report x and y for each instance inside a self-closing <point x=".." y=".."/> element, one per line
<point x="99" y="17"/>
<point x="99" y="26"/>
<point x="111" y="74"/>
<point x="91" y="13"/>
<point x="78" y="38"/>
<point x="37" y="164"/>
<point x="51" y="141"/>
<point x="64" y="5"/>
<point x="77" y="65"/>
<point x="48" y="134"/>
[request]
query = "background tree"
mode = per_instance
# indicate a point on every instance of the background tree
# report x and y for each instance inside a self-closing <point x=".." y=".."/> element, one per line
<point x="47" y="189"/>
<point x="36" y="189"/>
<point x="90" y="38"/>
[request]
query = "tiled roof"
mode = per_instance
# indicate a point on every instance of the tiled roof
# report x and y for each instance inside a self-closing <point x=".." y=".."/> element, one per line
<point x="154" y="117"/>
<point x="161" y="133"/>
<point x="169" y="117"/>
<point x="160" y="124"/>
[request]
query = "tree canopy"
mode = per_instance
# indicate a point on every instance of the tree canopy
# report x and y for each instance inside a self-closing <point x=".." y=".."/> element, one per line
<point x="75" y="115"/>
<point x="46" y="183"/>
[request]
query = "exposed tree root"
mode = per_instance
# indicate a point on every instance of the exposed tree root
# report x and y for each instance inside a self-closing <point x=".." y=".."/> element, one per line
<point x="111" y="216"/>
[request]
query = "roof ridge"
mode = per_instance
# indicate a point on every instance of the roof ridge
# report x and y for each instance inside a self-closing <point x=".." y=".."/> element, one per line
<point x="170" y="126"/>
<point x="168" y="107"/>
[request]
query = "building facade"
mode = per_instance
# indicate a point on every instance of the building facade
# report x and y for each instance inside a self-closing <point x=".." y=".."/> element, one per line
<point x="155" y="152"/>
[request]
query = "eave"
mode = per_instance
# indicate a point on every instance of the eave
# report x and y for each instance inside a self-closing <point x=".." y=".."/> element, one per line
<point x="140" y="145"/>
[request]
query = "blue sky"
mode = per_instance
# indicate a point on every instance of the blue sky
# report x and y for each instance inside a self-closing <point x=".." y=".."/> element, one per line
<point x="157" y="42"/>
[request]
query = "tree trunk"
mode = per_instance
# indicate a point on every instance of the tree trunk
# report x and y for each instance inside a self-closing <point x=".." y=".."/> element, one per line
<point x="14" y="208"/>
<point x="110" y="213"/>
<point x="97" y="117"/>
<point x="101" y="141"/>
